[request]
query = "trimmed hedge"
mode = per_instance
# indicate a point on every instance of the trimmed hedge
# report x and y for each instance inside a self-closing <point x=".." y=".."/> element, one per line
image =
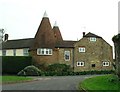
<point x="70" y="73"/>
<point x="14" y="64"/>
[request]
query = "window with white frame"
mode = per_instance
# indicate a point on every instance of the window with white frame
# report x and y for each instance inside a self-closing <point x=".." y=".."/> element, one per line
<point x="25" y="52"/>
<point x="93" y="39"/>
<point x="44" y="51"/>
<point x="3" y="52"/>
<point x="14" y="52"/>
<point x="81" y="63"/>
<point x="106" y="63"/>
<point x="81" y="49"/>
<point x="67" y="55"/>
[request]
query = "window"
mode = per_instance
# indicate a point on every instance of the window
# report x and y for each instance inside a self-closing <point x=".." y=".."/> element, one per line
<point x="25" y="52"/>
<point x="80" y="64"/>
<point x="93" y="65"/>
<point x="14" y="52"/>
<point x="67" y="55"/>
<point x="92" y="39"/>
<point x="105" y="63"/>
<point x="81" y="49"/>
<point x="3" y="52"/>
<point x="44" y="51"/>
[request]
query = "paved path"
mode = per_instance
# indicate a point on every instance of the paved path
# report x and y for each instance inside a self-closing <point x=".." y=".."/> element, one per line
<point x="49" y="83"/>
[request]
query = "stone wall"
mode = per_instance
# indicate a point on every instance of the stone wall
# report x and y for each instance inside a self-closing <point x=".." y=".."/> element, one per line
<point x="95" y="53"/>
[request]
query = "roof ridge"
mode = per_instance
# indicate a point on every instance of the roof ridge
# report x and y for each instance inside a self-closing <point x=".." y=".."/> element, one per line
<point x="20" y="39"/>
<point x="92" y="35"/>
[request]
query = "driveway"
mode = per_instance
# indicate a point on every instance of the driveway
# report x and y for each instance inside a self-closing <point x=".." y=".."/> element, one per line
<point x="49" y="83"/>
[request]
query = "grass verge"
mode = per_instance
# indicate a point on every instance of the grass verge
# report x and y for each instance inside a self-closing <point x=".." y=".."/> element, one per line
<point x="100" y="83"/>
<point x="13" y="79"/>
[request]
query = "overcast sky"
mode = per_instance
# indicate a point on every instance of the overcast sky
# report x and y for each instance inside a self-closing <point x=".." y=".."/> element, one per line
<point x="21" y="18"/>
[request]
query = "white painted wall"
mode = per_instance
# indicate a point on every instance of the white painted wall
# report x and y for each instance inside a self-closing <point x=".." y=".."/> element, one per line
<point x="0" y="52"/>
<point x="19" y="52"/>
<point x="9" y="52"/>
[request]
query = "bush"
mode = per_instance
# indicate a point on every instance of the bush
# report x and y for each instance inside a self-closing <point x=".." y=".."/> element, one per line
<point x="30" y="71"/>
<point x="94" y="72"/>
<point x="58" y="70"/>
<point x="14" y="64"/>
<point x="113" y="79"/>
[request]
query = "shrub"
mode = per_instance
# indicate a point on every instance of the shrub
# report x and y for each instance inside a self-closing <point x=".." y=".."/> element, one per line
<point x="13" y="64"/>
<point x="57" y="70"/>
<point x="94" y="72"/>
<point x="30" y="71"/>
<point x="113" y="79"/>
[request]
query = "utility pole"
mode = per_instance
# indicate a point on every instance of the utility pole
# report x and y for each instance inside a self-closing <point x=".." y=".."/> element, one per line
<point x="1" y="35"/>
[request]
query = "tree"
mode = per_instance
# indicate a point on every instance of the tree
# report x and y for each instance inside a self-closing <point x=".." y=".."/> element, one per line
<point x="116" y="40"/>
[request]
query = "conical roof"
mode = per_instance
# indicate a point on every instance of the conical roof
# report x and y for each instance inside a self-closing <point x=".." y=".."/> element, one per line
<point x="44" y="37"/>
<point x="57" y="33"/>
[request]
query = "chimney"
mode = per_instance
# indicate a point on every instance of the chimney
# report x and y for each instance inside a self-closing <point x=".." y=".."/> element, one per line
<point x="83" y="34"/>
<point x="6" y="37"/>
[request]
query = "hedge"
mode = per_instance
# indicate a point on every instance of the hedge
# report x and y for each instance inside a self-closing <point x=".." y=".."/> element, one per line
<point x="14" y="64"/>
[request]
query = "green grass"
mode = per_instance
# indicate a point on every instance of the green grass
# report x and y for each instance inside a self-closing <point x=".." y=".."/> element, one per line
<point x="14" y="79"/>
<point x="100" y="83"/>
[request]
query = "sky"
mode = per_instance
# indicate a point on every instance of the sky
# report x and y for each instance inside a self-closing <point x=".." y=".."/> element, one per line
<point x="21" y="18"/>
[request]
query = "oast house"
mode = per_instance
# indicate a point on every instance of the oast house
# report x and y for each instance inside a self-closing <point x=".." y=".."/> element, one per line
<point x="91" y="52"/>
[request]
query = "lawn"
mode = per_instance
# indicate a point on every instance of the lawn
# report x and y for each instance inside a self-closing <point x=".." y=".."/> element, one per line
<point x="14" y="79"/>
<point x="100" y="83"/>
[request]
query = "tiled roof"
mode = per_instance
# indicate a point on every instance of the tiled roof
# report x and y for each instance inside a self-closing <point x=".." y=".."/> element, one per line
<point x="57" y="34"/>
<point x="44" y="36"/>
<point x="17" y="44"/>
<point x="66" y="44"/>
<point x="92" y="35"/>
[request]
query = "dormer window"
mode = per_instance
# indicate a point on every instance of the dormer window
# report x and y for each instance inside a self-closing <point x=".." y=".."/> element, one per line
<point x="44" y="51"/>
<point x="93" y="39"/>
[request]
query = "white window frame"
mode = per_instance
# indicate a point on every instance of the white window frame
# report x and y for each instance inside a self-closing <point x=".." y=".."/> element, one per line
<point x="81" y="49"/>
<point x="93" y="39"/>
<point x="80" y="63"/>
<point x="26" y="51"/>
<point x="106" y="63"/>
<point x="44" y="51"/>
<point x="67" y="53"/>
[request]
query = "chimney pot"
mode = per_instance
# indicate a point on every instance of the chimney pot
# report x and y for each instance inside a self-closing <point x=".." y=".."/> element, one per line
<point x="6" y="37"/>
<point x="83" y="34"/>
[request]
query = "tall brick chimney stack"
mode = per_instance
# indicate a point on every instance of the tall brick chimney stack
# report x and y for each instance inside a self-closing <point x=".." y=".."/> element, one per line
<point x="6" y="37"/>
